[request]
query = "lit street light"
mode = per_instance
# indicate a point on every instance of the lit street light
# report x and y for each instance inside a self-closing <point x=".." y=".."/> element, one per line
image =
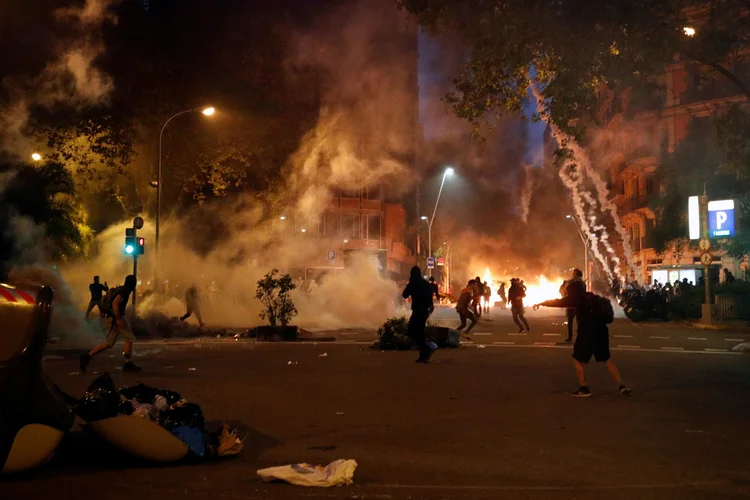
<point x="689" y="31"/>
<point x="448" y="171"/>
<point x="585" y="248"/>
<point x="207" y="112"/>
<point x="36" y="156"/>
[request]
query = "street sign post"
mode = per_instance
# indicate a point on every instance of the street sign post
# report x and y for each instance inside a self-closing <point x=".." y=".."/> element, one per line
<point x="331" y="256"/>
<point x="430" y="262"/>
<point x="721" y="218"/>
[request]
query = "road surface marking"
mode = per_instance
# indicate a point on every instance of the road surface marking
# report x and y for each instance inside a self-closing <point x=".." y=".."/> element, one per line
<point x="544" y="343"/>
<point x="504" y="343"/>
<point x="624" y="336"/>
<point x="481" y="334"/>
<point x="623" y="346"/>
<point x="672" y="348"/>
<point x="524" y="333"/>
<point x="551" y="334"/>
<point x="717" y="350"/>
<point x="660" y="338"/>
<point x="697" y="338"/>
<point x="735" y="340"/>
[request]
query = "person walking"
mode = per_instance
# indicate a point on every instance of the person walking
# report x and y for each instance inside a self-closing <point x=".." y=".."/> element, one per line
<point x="516" y="295"/>
<point x="476" y="297"/>
<point x="193" y="303"/>
<point x="113" y="307"/>
<point x="486" y="297"/>
<point x="501" y="293"/>
<point x="594" y="313"/>
<point x="463" y="307"/>
<point x="96" y="289"/>
<point x="421" y="293"/>
<point x="435" y="289"/>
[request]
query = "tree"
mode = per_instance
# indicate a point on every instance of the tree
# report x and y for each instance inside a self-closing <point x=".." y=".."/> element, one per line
<point x="46" y="197"/>
<point x="573" y="49"/>
<point x="273" y="293"/>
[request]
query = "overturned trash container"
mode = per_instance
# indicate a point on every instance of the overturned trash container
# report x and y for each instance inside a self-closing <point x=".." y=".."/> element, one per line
<point x="33" y="414"/>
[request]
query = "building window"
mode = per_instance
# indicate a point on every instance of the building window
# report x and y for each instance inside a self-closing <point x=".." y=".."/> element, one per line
<point x="372" y="193"/>
<point x="332" y="225"/>
<point x="350" y="227"/>
<point x="350" y="193"/>
<point x="373" y="227"/>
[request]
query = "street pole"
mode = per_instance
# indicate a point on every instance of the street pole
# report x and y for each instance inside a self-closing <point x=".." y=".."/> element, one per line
<point x="434" y="211"/>
<point x="706" y="313"/>
<point x="585" y="249"/>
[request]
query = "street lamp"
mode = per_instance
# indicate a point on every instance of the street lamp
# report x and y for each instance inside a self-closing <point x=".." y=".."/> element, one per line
<point x="36" y="156"/>
<point x="208" y="111"/>
<point x="448" y="171"/>
<point x="585" y="247"/>
<point x="689" y="31"/>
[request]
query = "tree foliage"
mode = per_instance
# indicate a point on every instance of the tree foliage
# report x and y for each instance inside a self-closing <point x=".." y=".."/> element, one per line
<point x="573" y="49"/>
<point x="273" y="293"/>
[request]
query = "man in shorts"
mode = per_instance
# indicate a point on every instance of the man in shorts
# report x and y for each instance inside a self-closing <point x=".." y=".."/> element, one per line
<point x="118" y="327"/>
<point x="593" y="314"/>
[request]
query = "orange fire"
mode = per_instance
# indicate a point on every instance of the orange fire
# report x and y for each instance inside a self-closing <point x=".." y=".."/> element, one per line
<point x="538" y="289"/>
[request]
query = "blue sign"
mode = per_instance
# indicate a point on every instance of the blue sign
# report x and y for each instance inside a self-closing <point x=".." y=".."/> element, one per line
<point x="721" y="219"/>
<point x="430" y="262"/>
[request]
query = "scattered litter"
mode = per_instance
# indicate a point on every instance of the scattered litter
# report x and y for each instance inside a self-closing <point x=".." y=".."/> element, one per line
<point x="325" y="354"/>
<point x="337" y="473"/>
<point x="432" y="345"/>
<point x="481" y="346"/>
<point x="218" y="336"/>
<point x="74" y="373"/>
<point x="339" y="413"/>
<point x="191" y="369"/>
<point x="293" y="363"/>
<point x="237" y="335"/>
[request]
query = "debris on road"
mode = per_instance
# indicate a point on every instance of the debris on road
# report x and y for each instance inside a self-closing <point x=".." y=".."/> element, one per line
<point x="337" y="473"/>
<point x="293" y="363"/>
<point x="325" y="354"/>
<point x="192" y="369"/>
<point x="339" y="413"/>
<point x="74" y="373"/>
<point x="481" y="346"/>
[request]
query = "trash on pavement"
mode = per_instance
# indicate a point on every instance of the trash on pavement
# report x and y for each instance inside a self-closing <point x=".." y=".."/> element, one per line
<point x="325" y="354"/>
<point x="481" y="346"/>
<point x="337" y="473"/>
<point x="192" y="369"/>
<point x="745" y="346"/>
<point x="340" y="413"/>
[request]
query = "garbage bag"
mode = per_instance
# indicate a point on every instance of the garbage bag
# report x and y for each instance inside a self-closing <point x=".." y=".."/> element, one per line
<point x="103" y="382"/>
<point x="98" y="404"/>
<point x="337" y="473"/>
<point x="183" y="415"/>
<point x="146" y="394"/>
<point x="193" y="438"/>
<point x="143" y="410"/>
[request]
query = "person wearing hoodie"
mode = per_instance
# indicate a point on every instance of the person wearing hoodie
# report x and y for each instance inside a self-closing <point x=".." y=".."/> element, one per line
<point x="516" y="294"/>
<point x="421" y="293"/>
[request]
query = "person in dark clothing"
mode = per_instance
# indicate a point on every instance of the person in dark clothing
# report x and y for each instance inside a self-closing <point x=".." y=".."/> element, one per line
<point x="119" y="327"/>
<point x="435" y="290"/>
<point x="421" y="307"/>
<point x="593" y="335"/>
<point x="516" y="295"/>
<point x="463" y="307"/>
<point x="96" y="289"/>
<point x="193" y="303"/>
<point x="501" y="293"/>
<point x="476" y="298"/>
<point x="486" y="297"/>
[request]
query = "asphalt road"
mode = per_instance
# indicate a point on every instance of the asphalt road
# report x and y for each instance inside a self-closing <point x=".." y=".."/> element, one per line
<point x="476" y="424"/>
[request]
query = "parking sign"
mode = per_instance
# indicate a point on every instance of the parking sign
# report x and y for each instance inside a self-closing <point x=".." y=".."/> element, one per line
<point x="721" y="218"/>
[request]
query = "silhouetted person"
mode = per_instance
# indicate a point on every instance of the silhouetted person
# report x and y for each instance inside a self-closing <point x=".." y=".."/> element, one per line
<point x="476" y="298"/>
<point x="516" y="295"/>
<point x="463" y="307"/>
<point x="728" y="276"/>
<point x="435" y="289"/>
<point x="594" y="313"/>
<point x="119" y="326"/>
<point x="575" y="281"/>
<point x="193" y="303"/>
<point x="486" y="296"/>
<point x="96" y="289"/>
<point x="420" y="292"/>
<point x="501" y="293"/>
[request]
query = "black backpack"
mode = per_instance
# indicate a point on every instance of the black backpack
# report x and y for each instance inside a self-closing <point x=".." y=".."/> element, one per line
<point x="601" y="308"/>
<point x="105" y="306"/>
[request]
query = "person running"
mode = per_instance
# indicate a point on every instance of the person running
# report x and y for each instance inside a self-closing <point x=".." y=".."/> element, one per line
<point x="463" y="307"/>
<point x="501" y="293"/>
<point x="193" y="302"/>
<point x="435" y="290"/>
<point x="486" y="296"/>
<point x="594" y="313"/>
<point x="570" y="312"/>
<point x="476" y="297"/>
<point x="96" y="289"/>
<point x="516" y="295"/>
<point x="114" y="309"/>
<point x="421" y="307"/>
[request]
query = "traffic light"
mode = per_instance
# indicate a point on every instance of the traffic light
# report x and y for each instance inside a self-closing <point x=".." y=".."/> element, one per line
<point x="129" y="241"/>
<point x="141" y="245"/>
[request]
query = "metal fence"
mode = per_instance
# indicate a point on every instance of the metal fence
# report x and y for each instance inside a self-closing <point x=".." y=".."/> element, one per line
<point x="733" y="306"/>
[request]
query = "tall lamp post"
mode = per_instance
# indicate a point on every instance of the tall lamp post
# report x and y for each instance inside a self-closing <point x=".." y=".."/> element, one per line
<point x="448" y="171"/>
<point x="207" y="112"/>
<point x="585" y="248"/>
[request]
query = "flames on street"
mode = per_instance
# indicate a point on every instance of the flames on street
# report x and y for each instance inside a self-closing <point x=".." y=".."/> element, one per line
<point x="538" y="289"/>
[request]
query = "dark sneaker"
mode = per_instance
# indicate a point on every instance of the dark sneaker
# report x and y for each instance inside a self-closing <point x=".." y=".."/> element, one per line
<point x="130" y="367"/>
<point x="83" y="361"/>
<point x="625" y="390"/>
<point x="582" y="392"/>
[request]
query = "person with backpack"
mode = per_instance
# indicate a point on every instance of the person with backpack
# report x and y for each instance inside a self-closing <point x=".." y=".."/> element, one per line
<point x="96" y="289"/>
<point x="421" y="307"/>
<point x="113" y="307"/>
<point x="594" y="313"/>
<point x="516" y="295"/>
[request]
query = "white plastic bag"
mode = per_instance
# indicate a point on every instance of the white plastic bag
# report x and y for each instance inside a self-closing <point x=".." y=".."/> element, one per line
<point x="337" y="473"/>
